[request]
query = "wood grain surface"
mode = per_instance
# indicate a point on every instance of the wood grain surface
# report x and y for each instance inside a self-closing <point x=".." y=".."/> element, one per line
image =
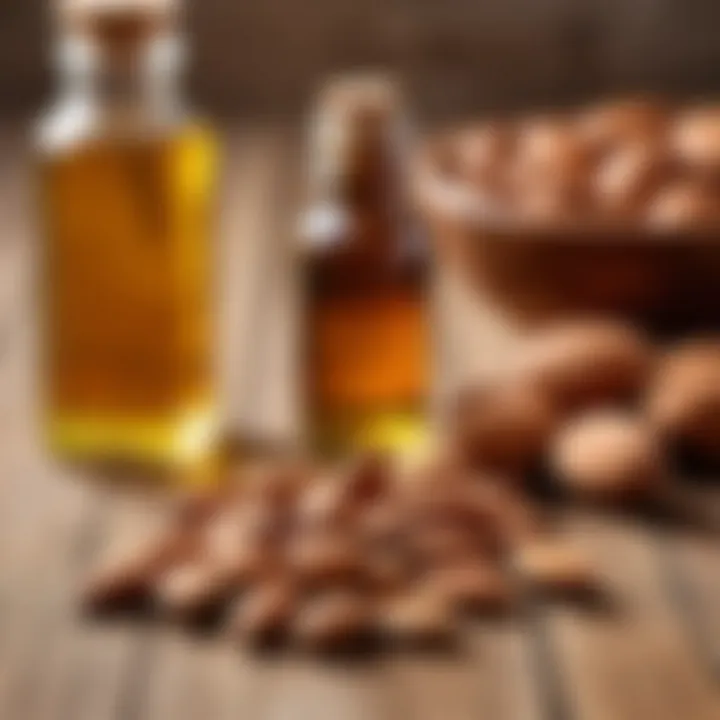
<point x="653" y="654"/>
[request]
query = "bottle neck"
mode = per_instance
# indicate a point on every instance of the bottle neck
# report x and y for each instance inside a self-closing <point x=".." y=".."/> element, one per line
<point x="122" y="89"/>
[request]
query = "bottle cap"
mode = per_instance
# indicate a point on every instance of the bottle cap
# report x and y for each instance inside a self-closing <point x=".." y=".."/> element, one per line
<point x="117" y="23"/>
<point x="361" y="96"/>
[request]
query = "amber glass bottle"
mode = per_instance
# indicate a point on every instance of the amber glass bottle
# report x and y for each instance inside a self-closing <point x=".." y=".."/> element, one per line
<point x="126" y="186"/>
<point x="367" y="342"/>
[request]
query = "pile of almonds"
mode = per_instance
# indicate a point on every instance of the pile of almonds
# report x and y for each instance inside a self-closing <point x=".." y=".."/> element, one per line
<point x="331" y="561"/>
<point x="401" y="549"/>
<point x="634" y="163"/>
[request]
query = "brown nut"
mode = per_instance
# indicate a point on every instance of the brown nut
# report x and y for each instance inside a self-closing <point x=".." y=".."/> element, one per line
<point x="516" y="518"/>
<point x="227" y="531"/>
<point x="191" y="592"/>
<point x="126" y="576"/>
<point x="476" y="587"/>
<point x="683" y="205"/>
<point x="242" y="544"/>
<point x="320" y="558"/>
<point x="325" y="503"/>
<point x="695" y="138"/>
<point x="275" y="483"/>
<point x="389" y="571"/>
<point x="367" y="477"/>
<point x="245" y="565"/>
<point x="555" y="566"/>
<point x="628" y="178"/>
<point x="338" y="620"/>
<point x="581" y="364"/>
<point x="444" y="543"/>
<point x="195" y="507"/>
<point x="482" y="153"/>
<point x="438" y="463"/>
<point x="552" y="157"/>
<point x="609" y="456"/>
<point x="383" y="527"/>
<point x="610" y="125"/>
<point x="466" y="506"/>
<point x="551" y="145"/>
<point x="263" y="616"/>
<point x="684" y="399"/>
<point x="262" y="522"/>
<point x="504" y="429"/>
<point x="418" y="619"/>
<point x="455" y="504"/>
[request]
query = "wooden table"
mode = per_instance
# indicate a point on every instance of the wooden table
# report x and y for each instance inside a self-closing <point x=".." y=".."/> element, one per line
<point x="656" y="656"/>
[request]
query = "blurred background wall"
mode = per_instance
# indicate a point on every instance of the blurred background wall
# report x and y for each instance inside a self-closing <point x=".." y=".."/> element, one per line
<point x="253" y="57"/>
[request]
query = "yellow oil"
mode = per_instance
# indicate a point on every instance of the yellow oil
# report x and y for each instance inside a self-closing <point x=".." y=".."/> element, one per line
<point x="128" y="335"/>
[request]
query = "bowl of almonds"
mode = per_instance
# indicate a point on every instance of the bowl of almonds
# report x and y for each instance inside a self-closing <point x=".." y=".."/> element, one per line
<point x="613" y="209"/>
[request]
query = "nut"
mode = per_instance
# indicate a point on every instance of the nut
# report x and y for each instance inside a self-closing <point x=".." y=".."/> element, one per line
<point x="476" y="587"/>
<point x="628" y="178"/>
<point x="382" y="524"/>
<point x="684" y="399"/>
<point x="581" y="364"/>
<point x="191" y="592"/>
<point x="276" y="484"/>
<point x="323" y="558"/>
<point x="551" y="162"/>
<point x="418" y="620"/>
<point x="442" y="543"/>
<point x="515" y="518"/>
<point x="553" y="565"/>
<point x="195" y="507"/>
<point x="616" y="123"/>
<point x="503" y="429"/>
<point x="325" y="503"/>
<point x="609" y="456"/>
<point x="339" y="620"/>
<point x="367" y="477"/>
<point x="389" y="571"/>
<point x="695" y="138"/>
<point x="482" y="153"/>
<point x="126" y="576"/>
<point x="241" y="545"/>
<point x="457" y="504"/>
<point x="264" y="615"/>
<point x="685" y="204"/>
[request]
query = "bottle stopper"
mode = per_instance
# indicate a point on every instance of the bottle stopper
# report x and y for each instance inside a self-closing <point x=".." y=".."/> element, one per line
<point x="117" y="24"/>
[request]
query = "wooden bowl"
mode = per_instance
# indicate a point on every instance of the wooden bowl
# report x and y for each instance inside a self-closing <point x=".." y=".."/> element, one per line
<point x="664" y="280"/>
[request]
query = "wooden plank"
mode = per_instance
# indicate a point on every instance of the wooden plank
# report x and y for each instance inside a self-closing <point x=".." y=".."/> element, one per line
<point x="49" y="657"/>
<point x="40" y="594"/>
<point x="635" y="659"/>
<point x="493" y="679"/>
<point x="205" y="678"/>
<point x="689" y="554"/>
<point x="105" y="662"/>
<point x="250" y="252"/>
<point x="275" y="402"/>
<point x="303" y="689"/>
<point x="83" y="663"/>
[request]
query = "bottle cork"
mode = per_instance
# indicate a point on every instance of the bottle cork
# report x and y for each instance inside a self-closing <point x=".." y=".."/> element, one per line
<point x="354" y="113"/>
<point x="118" y="24"/>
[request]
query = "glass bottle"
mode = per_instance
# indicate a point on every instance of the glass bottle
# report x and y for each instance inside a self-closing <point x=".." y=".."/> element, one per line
<point x="126" y="180"/>
<point x="367" y="352"/>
